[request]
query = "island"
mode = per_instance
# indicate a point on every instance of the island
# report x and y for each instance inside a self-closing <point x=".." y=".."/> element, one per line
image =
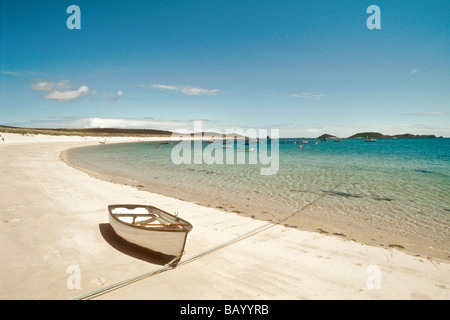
<point x="378" y="135"/>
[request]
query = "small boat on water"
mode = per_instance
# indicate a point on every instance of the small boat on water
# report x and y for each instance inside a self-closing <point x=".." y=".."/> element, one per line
<point x="150" y="228"/>
<point x="226" y="143"/>
<point x="246" y="149"/>
<point x="369" y="139"/>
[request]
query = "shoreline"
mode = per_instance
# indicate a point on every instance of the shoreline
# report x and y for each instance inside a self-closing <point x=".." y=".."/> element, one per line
<point x="308" y="218"/>
<point x="53" y="212"/>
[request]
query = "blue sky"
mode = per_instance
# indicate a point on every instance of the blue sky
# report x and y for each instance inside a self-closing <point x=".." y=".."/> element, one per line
<point x="304" y="67"/>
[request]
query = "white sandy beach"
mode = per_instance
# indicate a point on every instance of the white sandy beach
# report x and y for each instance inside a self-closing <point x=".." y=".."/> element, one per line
<point x="53" y="215"/>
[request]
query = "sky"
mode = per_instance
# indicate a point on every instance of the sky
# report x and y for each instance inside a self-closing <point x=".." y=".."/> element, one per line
<point x="302" y="67"/>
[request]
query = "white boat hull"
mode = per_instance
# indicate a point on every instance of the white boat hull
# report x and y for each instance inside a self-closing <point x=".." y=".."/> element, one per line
<point x="166" y="238"/>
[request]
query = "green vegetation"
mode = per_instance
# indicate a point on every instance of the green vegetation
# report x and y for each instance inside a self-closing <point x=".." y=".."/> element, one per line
<point x="377" y="135"/>
<point x="374" y="135"/>
<point x="326" y="136"/>
<point x="101" y="132"/>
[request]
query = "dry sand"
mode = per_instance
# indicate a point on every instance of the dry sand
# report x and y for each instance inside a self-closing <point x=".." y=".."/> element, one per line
<point x="54" y="231"/>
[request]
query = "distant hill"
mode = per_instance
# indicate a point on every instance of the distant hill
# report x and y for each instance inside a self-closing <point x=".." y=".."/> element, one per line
<point x="326" y="136"/>
<point x="377" y="135"/>
<point x="111" y="132"/>
<point x="408" y="135"/>
<point x="87" y="132"/>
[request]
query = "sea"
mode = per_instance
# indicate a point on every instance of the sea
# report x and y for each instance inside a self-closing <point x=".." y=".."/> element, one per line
<point x="393" y="193"/>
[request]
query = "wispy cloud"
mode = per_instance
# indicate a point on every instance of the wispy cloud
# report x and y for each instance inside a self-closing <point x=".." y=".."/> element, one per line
<point x="69" y="95"/>
<point x="308" y="95"/>
<point x="12" y="73"/>
<point x="436" y="113"/>
<point x="414" y="71"/>
<point x="61" y="91"/>
<point x="114" y="96"/>
<point x="20" y="74"/>
<point x="43" y="85"/>
<point x="136" y="123"/>
<point x="423" y="114"/>
<point x="185" y="89"/>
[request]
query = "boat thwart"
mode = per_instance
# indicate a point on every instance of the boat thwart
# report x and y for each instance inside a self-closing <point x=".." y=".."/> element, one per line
<point x="150" y="227"/>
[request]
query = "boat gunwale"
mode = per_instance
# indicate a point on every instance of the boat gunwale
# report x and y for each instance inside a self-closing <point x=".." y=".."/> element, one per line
<point x="186" y="226"/>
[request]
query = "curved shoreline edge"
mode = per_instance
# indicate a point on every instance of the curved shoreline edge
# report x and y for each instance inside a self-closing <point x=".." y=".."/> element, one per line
<point x="294" y="223"/>
<point x="51" y="214"/>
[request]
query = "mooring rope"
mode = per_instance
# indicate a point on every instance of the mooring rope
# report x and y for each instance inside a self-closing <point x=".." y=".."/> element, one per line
<point x="171" y="265"/>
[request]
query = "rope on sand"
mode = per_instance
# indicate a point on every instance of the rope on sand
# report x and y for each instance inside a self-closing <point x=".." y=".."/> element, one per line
<point x="172" y="264"/>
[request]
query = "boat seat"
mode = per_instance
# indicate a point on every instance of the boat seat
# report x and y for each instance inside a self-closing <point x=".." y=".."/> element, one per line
<point x="145" y="221"/>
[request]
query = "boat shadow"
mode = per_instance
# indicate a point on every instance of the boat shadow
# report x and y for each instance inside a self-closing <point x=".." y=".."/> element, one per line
<point x="131" y="249"/>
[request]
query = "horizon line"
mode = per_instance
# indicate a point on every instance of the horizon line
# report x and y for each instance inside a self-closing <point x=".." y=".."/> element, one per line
<point x="142" y="131"/>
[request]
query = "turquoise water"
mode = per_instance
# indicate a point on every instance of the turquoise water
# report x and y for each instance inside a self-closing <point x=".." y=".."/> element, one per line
<point x="393" y="192"/>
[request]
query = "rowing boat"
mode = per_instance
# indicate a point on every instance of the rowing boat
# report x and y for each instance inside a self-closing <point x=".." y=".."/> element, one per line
<point x="150" y="227"/>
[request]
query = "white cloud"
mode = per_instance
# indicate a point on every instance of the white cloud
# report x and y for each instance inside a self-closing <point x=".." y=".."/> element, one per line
<point x="43" y="85"/>
<point x="114" y="96"/>
<point x="61" y="91"/>
<point x="308" y="95"/>
<point x="133" y="123"/>
<point x="129" y="123"/>
<point x="69" y="95"/>
<point x="161" y="87"/>
<point x="119" y="123"/>
<point x="187" y="90"/>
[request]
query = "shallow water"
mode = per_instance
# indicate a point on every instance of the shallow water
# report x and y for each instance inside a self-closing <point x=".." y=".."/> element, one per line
<point x="393" y="192"/>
